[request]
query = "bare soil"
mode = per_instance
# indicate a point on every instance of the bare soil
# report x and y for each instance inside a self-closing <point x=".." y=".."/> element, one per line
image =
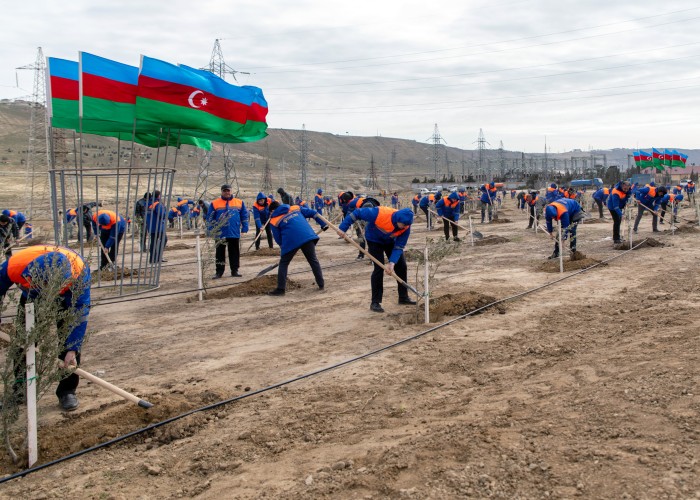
<point x="647" y="243"/>
<point x="263" y="252"/>
<point x="587" y="388"/>
<point x="490" y="240"/>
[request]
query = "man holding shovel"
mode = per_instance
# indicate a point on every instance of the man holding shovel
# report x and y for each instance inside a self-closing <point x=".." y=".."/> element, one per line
<point x="261" y="214"/>
<point x="293" y="233"/>
<point x="569" y="213"/>
<point x="32" y="270"/>
<point x="386" y="233"/>
<point x="111" y="227"/>
<point x="448" y="208"/>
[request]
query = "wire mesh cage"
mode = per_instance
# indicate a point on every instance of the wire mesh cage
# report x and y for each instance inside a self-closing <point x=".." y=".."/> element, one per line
<point x="116" y="219"/>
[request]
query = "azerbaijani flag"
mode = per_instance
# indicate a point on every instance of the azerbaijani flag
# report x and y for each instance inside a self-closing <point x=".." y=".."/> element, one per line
<point x="108" y="103"/>
<point x="62" y="92"/>
<point x="199" y="103"/>
<point x="658" y="159"/>
<point x="637" y="158"/>
<point x="645" y="159"/>
<point x="668" y="158"/>
<point x="676" y="159"/>
<point x="684" y="158"/>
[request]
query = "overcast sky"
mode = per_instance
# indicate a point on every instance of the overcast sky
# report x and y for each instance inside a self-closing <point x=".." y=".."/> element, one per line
<point x="583" y="73"/>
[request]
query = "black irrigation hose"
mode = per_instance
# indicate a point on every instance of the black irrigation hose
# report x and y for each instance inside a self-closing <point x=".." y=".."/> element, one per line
<point x="301" y="377"/>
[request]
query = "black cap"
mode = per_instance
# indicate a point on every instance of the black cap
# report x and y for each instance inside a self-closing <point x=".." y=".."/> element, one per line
<point x="226" y="186"/>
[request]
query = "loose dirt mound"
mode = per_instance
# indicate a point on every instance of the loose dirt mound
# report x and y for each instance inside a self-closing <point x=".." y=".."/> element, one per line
<point x="574" y="263"/>
<point x="686" y="229"/>
<point x="501" y="220"/>
<point x="178" y="246"/>
<point x="593" y="221"/>
<point x="263" y="252"/>
<point x="89" y="428"/>
<point x="450" y="305"/>
<point x="649" y="242"/>
<point x="490" y="240"/>
<point x="256" y="286"/>
<point x="109" y="275"/>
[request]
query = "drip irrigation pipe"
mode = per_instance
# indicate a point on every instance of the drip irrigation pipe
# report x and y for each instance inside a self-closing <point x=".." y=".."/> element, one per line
<point x="301" y="377"/>
<point x="133" y="299"/>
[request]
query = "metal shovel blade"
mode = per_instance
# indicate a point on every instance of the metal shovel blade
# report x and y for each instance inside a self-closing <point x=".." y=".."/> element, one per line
<point x="267" y="270"/>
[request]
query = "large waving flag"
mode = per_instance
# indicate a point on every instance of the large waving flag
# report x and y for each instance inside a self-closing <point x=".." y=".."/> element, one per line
<point x="645" y="159"/>
<point x="658" y="159"/>
<point x="108" y="103"/>
<point x="199" y="103"/>
<point x="62" y="92"/>
<point x="684" y="158"/>
<point x="676" y="159"/>
<point x="637" y="158"/>
<point x="668" y="158"/>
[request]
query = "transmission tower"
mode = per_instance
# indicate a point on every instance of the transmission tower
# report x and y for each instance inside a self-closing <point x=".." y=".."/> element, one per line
<point x="481" y="143"/>
<point x="501" y="161"/>
<point x="372" y="183"/>
<point x="267" y="178"/>
<point x="304" y="163"/>
<point x="38" y="152"/>
<point x="437" y="141"/>
<point x="227" y="172"/>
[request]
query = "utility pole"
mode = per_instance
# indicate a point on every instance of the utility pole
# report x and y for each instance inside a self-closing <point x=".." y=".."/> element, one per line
<point x="304" y="163"/>
<point x="501" y="162"/>
<point x="267" y="177"/>
<point x="481" y="143"/>
<point x="38" y="152"/>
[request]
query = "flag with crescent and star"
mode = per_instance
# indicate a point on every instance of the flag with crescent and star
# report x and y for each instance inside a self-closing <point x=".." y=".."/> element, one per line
<point x="199" y="103"/>
<point x="107" y="100"/>
<point x="645" y="159"/>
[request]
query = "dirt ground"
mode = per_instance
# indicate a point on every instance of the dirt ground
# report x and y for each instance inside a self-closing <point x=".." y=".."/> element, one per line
<point x="587" y="388"/>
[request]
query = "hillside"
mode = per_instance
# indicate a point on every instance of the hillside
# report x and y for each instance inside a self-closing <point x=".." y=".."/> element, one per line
<point x="335" y="162"/>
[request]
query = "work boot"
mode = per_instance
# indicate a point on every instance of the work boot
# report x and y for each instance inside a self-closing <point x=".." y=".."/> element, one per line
<point x="236" y="274"/>
<point x="217" y="276"/>
<point x="376" y="307"/>
<point x="555" y="255"/>
<point x="68" y="402"/>
<point x="360" y="256"/>
<point x="276" y="292"/>
<point x="457" y="239"/>
<point x="407" y="301"/>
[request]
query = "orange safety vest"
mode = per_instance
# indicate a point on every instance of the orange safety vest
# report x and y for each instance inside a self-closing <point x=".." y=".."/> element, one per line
<point x="621" y="194"/>
<point x="561" y="209"/>
<point x="13" y="213"/>
<point x="530" y="200"/>
<point x="262" y="207"/>
<point x="417" y="197"/>
<point x="652" y="191"/>
<point x="20" y="260"/>
<point x="72" y="212"/>
<point x="182" y="202"/>
<point x="153" y="205"/>
<point x="220" y="203"/>
<point x="113" y="217"/>
<point x="450" y="203"/>
<point x="671" y="197"/>
<point x="606" y="191"/>
<point x="384" y="224"/>
<point x="276" y="220"/>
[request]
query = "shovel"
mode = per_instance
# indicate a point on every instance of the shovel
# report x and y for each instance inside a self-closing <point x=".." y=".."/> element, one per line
<point x="262" y="230"/>
<point x="476" y="233"/>
<point x="273" y="266"/>
<point x="102" y="383"/>
<point x="352" y="242"/>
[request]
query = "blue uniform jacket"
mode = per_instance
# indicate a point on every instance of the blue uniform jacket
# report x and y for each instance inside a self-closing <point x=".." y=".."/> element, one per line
<point x="488" y="195"/>
<point x="644" y="197"/>
<point x="81" y="304"/>
<point x="260" y="214"/>
<point x="118" y="228"/>
<point x="19" y="217"/>
<point x="228" y="216"/>
<point x="374" y="234"/>
<point x="572" y="208"/>
<point x="183" y="204"/>
<point x="290" y="228"/>
<point x="615" y="202"/>
<point x="600" y="195"/>
<point x="156" y="214"/>
<point x="449" y="210"/>
<point x="318" y="200"/>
